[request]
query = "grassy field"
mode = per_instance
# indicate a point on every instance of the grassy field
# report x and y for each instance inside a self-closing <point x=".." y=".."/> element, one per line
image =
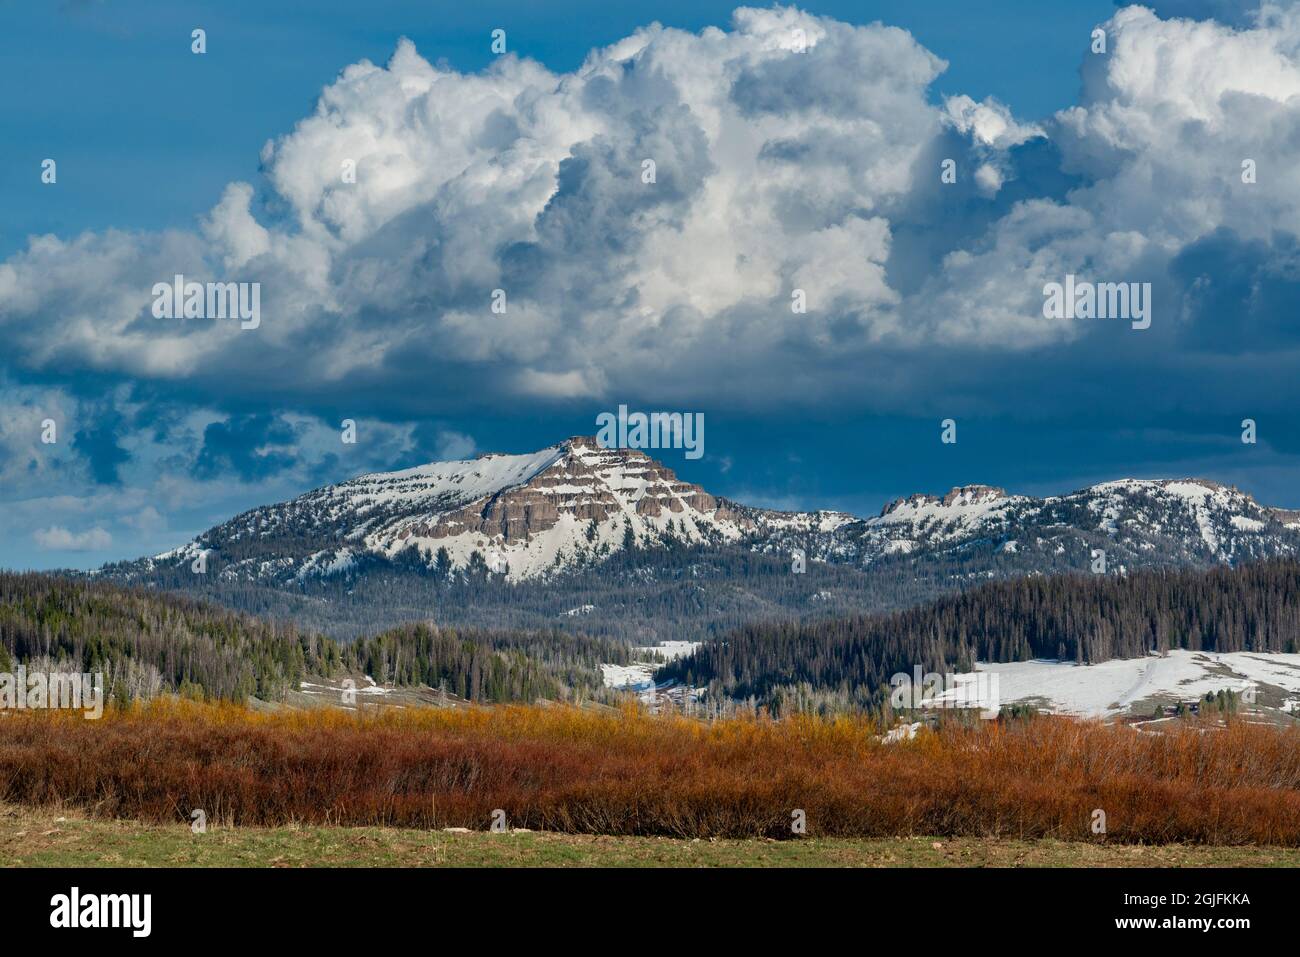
<point x="49" y="838"/>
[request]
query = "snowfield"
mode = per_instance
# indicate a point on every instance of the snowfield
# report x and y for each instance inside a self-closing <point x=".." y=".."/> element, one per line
<point x="1110" y="688"/>
<point x="1104" y="690"/>
<point x="639" y="675"/>
<point x="629" y="677"/>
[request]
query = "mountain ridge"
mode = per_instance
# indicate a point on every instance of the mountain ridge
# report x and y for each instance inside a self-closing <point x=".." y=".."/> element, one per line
<point x="545" y="511"/>
<point x="574" y="503"/>
<point x="611" y="542"/>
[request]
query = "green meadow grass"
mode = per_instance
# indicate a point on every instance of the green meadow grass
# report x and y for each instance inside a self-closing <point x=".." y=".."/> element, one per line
<point x="60" y="838"/>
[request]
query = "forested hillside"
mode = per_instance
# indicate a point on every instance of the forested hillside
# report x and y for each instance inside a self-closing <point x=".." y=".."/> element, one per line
<point x="146" y="643"/>
<point x="1086" y="618"/>
<point x="492" y="666"/>
<point x="639" y="595"/>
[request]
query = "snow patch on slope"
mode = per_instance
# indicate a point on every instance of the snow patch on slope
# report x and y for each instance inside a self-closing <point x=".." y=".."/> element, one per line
<point x="1109" y="688"/>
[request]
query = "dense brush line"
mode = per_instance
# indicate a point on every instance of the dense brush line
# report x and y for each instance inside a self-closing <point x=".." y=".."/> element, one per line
<point x="569" y="769"/>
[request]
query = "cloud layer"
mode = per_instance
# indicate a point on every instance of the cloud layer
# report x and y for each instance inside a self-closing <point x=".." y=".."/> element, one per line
<point x="790" y="152"/>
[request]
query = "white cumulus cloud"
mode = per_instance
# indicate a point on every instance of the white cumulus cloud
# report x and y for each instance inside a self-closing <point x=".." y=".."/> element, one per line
<point x="58" y="538"/>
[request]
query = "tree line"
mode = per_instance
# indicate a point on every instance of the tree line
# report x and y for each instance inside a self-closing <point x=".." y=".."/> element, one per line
<point x="145" y="642"/>
<point x="1078" y="617"/>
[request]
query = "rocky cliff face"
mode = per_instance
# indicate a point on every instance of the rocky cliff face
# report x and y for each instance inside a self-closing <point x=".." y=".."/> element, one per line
<point x="584" y="483"/>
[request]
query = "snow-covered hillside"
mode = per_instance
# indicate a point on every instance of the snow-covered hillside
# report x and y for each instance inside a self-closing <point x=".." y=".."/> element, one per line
<point x="1136" y="522"/>
<point x="1134" y="686"/>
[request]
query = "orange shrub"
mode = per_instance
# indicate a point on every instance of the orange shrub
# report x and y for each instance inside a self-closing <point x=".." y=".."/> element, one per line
<point x="572" y="770"/>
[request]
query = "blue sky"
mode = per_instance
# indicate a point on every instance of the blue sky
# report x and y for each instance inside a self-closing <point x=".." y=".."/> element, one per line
<point x="817" y="170"/>
<point x="145" y="153"/>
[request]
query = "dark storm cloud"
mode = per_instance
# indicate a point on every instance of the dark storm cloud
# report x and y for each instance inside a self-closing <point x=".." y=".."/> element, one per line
<point x="98" y="443"/>
<point x="239" y="446"/>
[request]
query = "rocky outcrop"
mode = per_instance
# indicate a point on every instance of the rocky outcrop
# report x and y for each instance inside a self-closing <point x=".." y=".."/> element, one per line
<point x="586" y="482"/>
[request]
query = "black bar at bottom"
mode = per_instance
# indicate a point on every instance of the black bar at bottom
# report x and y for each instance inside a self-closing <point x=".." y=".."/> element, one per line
<point x="381" y="908"/>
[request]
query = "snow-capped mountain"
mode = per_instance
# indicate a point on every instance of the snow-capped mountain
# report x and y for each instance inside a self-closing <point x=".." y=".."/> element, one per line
<point x="525" y="516"/>
<point x="1136" y="522"/>
<point x="575" y="504"/>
